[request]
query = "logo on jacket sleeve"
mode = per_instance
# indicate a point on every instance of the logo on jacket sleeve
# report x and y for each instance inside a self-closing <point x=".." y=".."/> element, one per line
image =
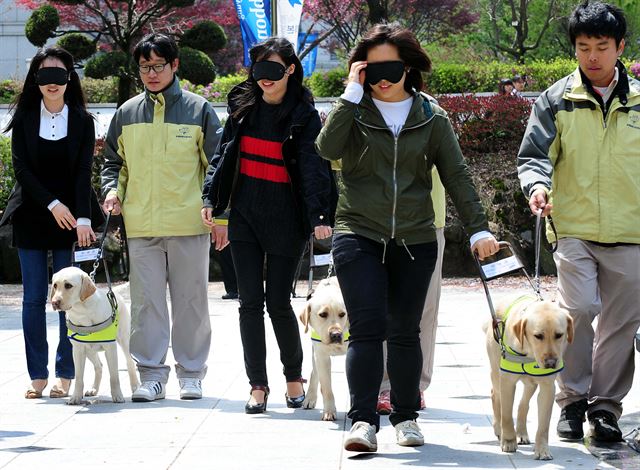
<point x="634" y="119"/>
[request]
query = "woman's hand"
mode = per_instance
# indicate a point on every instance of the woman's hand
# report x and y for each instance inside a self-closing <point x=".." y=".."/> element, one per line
<point x="112" y="204"/>
<point x="207" y="217"/>
<point x="85" y="235"/>
<point x="322" y="231"/>
<point x="219" y="236"/>
<point x="63" y="216"/>
<point x="486" y="247"/>
<point x="357" y="72"/>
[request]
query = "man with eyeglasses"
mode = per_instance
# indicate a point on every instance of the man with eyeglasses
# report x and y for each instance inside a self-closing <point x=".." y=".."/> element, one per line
<point x="157" y="151"/>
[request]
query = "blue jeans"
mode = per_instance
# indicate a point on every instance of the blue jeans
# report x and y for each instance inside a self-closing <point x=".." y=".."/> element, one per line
<point x="35" y="282"/>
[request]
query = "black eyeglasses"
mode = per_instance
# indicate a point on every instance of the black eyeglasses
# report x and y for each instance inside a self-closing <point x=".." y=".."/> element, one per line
<point x="157" y="68"/>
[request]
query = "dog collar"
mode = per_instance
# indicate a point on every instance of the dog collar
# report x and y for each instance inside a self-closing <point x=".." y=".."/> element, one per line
<point x="316" y="337"/>
<point x="104" y="332"/>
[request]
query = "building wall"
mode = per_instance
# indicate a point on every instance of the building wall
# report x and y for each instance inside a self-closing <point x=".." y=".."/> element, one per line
<point x="15" y="49"/>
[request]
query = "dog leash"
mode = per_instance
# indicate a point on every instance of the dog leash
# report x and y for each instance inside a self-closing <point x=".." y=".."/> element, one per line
<point x="110" y="295"/>
<point x="538" y="242"/>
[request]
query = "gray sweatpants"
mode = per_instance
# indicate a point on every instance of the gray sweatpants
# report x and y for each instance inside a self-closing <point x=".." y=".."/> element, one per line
<point x="594" y="280"/>
<point x="183" y="264"/>
<point x="428" y="324"/>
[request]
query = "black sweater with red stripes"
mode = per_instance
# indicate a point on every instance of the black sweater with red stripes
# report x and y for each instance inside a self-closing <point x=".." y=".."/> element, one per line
<point x="264" y="195"/>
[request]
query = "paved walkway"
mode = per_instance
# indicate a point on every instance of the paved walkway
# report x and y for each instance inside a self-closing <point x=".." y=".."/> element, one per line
<point x="214" y="433"/>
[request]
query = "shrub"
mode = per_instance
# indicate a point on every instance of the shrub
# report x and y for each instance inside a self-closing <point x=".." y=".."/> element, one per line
<point x="491" y="124"/>
<point x="330" y="83"/>
<point x="216" y="91"/>
<point x="205" y="36"/>
<point x="106" y="65"/>
<point x="100" y="90"/>
<point x="41" y="24"/>
<point x="78" y="45"/>
<point x="9" y="89"/>
<point x="196" y="66"/>
<point x="635" y="70"/>
<point x="484" y="77"/>
<point x="7" y="178"/>
<point x="223" y="85"/>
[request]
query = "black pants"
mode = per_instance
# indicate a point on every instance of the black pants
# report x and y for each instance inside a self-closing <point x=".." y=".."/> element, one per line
<point x="384" y="291"/>
<point x="248" y="259"/>
<point x="228" y="272"/>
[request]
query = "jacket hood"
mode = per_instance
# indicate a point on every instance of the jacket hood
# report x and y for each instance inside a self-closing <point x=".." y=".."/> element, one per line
<point x="170" y="95"/>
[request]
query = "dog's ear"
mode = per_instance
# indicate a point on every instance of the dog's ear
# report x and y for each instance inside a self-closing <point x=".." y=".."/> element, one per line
<point x="519" y="329"/>
<point x="569" y="328"/>
<point x="87" y="287"/>
<point x="305" y="315"/>
<point x="51" y="291"/>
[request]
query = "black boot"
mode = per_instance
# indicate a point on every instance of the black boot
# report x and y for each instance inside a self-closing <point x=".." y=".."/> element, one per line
<point x="571" y="419"/>
<point x="604" y="426"/>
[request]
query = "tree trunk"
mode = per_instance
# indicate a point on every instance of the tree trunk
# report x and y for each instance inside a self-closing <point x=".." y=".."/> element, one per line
<point x="124" y="89"/>
<point x="377" y="12"/>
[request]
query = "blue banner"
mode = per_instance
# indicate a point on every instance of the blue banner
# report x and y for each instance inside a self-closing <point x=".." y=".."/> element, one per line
<point x="255" y="23"/>
<point x="309" y="61"/>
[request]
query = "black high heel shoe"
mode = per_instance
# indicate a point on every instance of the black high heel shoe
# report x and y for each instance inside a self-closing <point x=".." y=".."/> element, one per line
<point x="258" y="407"/>
<point x="295" y="402"/>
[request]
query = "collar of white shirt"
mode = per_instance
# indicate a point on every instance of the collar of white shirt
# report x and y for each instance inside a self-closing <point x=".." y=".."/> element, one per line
<point x="605" y="92"/>
<point x="45" y="113"/>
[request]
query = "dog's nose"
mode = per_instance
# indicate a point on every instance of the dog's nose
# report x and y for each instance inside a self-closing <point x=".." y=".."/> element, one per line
<point x="335" y="336"/>
<point x="55" y="304"/>
<point x="550" y="363"/>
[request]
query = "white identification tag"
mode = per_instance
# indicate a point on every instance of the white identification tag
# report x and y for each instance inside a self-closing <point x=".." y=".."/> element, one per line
<point x="500" y="267"/>
<point x="85" y="255"/>
<point x="322" y="260"/>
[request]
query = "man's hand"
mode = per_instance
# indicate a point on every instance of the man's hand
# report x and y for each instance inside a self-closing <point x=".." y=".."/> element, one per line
<point x="112" y="203"/>
<point x="322" y="231"/>
<point x="538" y="202"/>
<point x="486" y="247"/>
<point x="206" y="213"/>
<point x="63" y="217"/>
<point x="219" y="237"/>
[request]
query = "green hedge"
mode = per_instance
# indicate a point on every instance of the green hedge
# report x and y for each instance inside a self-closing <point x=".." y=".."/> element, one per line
<point x="7" y="179"/>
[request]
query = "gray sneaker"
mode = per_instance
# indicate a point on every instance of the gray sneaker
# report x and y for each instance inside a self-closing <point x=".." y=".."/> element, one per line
<point x="190" y="388"/>
<point x="362" y="438"/>
<point x="408" y="434"/>
<point x="149" y="390"/>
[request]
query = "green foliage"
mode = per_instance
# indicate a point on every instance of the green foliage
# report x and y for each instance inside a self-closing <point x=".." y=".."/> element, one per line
<point x="100" y="90"/>
<point x="205" y="36"/>
<point x="9" y="89"/>
<point x="106" y="65"/>
<point x="7" y="178"/>
<point x="330" y="83"/>
<point x="484" y="77"/>
<point x="216" y="91"/>
<point x="196" y="66"/>
<point x="41" y="25"/>
<point x="79" y="45"/>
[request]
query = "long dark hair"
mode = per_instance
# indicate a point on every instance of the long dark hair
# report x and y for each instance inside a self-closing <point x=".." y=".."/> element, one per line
<point x="251" y="91"/>
<point x="30" y="97"/>
<point x="408" y="47"/>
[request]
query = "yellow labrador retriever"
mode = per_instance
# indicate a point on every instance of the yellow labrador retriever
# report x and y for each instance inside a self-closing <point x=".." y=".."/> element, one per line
<point x="326" y="315"/>
<point x="535" y="334"/>
<point x="88" y="309"/>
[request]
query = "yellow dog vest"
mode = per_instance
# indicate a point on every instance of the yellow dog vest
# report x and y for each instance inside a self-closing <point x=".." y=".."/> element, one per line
<point x="515" y="362"/>
<point x="105" y="335"/>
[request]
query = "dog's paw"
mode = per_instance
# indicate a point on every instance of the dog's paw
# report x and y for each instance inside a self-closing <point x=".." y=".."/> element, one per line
<point x="523" y="439"/>
<point x="329" y="415"/>
<point x="76" y="400"/>
<point x="117" y="397"/>
<point x="542" y="453"/>
<point x="509" y="445"/>
<point x="309" y="402"/>
<point x="92" y="392"/>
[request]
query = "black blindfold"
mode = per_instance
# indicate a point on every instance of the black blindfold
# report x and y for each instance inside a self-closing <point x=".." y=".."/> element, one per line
<point x="391" y="71"/>
<point x="52" y="76"/>
<point x="268" y="70"/>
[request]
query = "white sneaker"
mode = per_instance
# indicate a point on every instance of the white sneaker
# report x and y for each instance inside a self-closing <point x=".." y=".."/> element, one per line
<point x="149" y="390"/>
<point x="408" y="434"/>
<point x="190" y="388"/>
<point x="362" y="438"/>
